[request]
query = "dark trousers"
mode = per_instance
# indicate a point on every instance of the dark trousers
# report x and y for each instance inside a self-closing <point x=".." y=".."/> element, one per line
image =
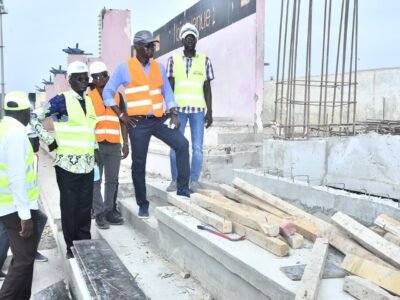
<point x="140" y="137"/>
<point x="76" y="196"/>
<point x="41" y="220"/>
<point x="109" y="167"/>
<point x="18" y="282"/>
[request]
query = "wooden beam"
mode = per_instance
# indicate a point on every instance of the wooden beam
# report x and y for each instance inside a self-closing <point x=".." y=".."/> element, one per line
<point x="386" y="278"/>
<point x="389" y="224"/>
<point x="308" y="225"/>
<point x="237" y="195"/>
<point x="369" y="239"/>
<point x="222" y="224"/>
<point x="295" y="241"/>
<point x="313" y="272"/>
<point x="237" y="213"/>
<point x="364" y="289"/>
<point x="271" y="244"/>
<point x="394" y="239"/>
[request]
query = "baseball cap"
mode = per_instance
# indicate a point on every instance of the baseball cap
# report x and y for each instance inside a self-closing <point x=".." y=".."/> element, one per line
<point x="77" y="67"/>
<point x="16" y="100"/>
<point x="187" y="29"/>
<point x="98" y="67"/>
<point x="144" y="37"/>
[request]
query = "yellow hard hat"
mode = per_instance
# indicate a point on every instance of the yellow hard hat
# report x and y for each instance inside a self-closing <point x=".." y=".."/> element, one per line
<point x="16" y="100"/>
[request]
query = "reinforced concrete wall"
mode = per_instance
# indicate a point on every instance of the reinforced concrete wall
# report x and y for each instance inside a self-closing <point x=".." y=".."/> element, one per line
<point x="367" y="163"/>
<point x="378" y="96"/>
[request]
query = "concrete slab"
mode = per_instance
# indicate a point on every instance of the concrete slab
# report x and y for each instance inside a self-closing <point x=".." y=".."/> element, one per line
<point x="321" y="200"/>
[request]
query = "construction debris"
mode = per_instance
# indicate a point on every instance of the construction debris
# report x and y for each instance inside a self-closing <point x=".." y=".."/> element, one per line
<point x="313" y="272"/>
<point x="369" y="239"/>
<point x="363" y="289"/>
<point x="274" y="224"/>
<point x="389" y="224"/>
<point x="384" y="277"/>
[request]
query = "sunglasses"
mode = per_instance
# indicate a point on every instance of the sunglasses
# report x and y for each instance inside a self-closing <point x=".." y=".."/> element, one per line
<point x="100" y="76"/>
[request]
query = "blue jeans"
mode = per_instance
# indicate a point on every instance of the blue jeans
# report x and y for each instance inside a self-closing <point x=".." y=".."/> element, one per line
<point x="196" y="122"/>
<point x="140" y="137"/>
<point x="4" y="242"/>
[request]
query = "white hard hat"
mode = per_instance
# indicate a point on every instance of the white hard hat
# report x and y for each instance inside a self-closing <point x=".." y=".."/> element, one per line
<point x="16" y="100"/>
<point x="77" y="67"/>
<point x="98" y="67"/>
<point x="187" y="29"/>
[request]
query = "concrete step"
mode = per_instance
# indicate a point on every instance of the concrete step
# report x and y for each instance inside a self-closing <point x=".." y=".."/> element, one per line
<point x="156" y="276"/>
<point x="218" y="161"/>
<point x="227" y="270"/>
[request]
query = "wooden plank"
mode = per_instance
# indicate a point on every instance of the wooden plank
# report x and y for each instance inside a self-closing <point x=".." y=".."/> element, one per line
<point x="244" y="198"/>
<point x="386" y="278"/>
<point x="389" y="224"/>
<point x="312" y="274"/>
<point x="364" y="289"/>
<point x="369" y="239"/>
<point x="271" y="244"/>
<point x="394" y="239"/>
<point x="205" y="216"/>
<point x="295" y="241"/>
<point x="236" y="213"/>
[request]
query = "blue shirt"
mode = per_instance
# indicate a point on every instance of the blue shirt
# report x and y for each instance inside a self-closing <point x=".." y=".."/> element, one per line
<point x="121" y="76"/>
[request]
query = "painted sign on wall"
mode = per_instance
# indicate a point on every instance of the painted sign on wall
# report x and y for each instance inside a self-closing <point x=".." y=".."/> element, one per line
<point x="232" y="37"/>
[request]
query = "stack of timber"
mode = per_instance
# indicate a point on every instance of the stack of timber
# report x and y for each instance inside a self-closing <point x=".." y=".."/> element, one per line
<point x="372" y="260"/>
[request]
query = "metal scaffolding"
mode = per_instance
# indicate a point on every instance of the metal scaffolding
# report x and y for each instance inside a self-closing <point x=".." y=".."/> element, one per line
<point x="309" y="105"/>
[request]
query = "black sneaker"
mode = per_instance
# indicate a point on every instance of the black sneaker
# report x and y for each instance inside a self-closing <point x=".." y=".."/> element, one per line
<point x="116" y="211"/>
<point x="184" y="192"/>
<point x="2" y="275"/>
<point x="40" y="257"/>
<point x="143" y="213"/>
<point x="101" y="221"/>
<point x="114" y="218"/>
<point x="69" y="254"/>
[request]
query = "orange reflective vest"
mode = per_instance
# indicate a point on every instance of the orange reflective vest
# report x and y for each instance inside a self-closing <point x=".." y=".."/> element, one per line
<point x="143" y="95"/>
<point x="107" y="127"/>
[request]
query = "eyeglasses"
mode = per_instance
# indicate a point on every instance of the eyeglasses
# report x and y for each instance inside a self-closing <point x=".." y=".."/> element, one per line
<point x="99" y="76"/>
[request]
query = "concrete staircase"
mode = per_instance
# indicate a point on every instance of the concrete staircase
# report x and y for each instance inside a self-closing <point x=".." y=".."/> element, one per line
<point x="227" y="145"/>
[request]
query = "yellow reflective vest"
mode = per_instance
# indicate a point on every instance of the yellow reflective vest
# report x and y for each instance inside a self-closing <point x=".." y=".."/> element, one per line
<point x="188" y="89"/>
<point x="77" y="135"/>
<point x="6" y="198"/>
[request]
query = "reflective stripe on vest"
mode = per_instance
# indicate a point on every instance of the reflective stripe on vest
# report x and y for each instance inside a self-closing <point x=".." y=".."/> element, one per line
<point x="188" y="89"/>
<point x="107" y="127"/>
<point x="143" y="95"/>
<point x="76" y="136"/>
<point x="6" y="198"/>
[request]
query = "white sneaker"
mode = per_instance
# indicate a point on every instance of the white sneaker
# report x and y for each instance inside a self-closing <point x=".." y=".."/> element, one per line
<point x="172" y="186"/>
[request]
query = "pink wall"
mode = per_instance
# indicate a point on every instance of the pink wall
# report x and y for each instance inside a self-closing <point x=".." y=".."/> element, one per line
<point x="235" y="56"/>
<point x="73" y="57"/>
<point x="60" y="83"/>
<point x="50" y="91"/>
<point x="116" y="37"/>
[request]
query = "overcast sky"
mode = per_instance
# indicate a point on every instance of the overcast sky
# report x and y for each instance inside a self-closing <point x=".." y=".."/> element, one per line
<point x="34" y="32"/>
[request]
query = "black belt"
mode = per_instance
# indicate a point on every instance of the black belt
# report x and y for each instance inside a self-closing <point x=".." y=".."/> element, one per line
<point x="145" y="117"/>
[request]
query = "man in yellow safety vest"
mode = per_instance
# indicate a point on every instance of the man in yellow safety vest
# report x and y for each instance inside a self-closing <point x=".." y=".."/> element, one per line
<point x="19" y="195"/>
